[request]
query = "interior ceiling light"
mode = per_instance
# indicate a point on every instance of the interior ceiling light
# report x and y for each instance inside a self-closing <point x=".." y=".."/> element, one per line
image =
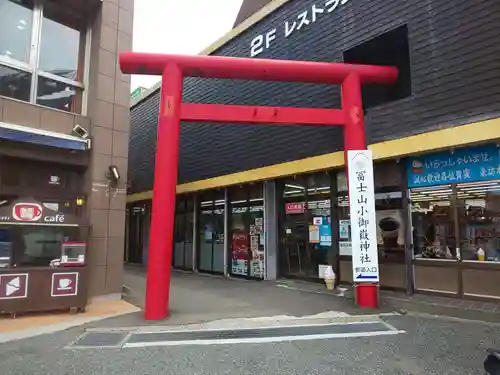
<point x="479" y="183"/>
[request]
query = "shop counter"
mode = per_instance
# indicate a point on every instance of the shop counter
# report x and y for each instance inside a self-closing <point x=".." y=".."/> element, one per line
<point x="33" y="289"/>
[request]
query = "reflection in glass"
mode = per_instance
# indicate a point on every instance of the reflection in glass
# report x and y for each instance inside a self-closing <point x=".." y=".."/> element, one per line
<point x="16" y="18"/>
<point x="61" y="46"/>
<point x="37" y="245"/>
<point x="247" y="237"/>
<point x="14" y="83"/>
<point x="180" y="240"/>
<point x="205" y="257"/>
<point x="218" y="225"/>
<point x="478" y="206"/>
<point x="433" y="222"/>
<point x="305" y="233"/>
<point x="390" y="226"/>
<point x="240" y="238"/>
<point x="58" y="95"/>
<point x="293" y="231"/>
<point x="211" y="236"/>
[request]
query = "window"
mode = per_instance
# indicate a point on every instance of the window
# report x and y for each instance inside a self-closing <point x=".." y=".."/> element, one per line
<point x="478" y="214"/>
<point x="16" y="25"/>
<point x="183" y="233"/>
<point x="457" y="221"/>
<point x="247" y="237"/>
<point x="14" y="83"/>
<point x="211" y="232"/>
<point x="35" y="246"/>
<point x="391" y="49"/>
<point x="42" y="54"/>
<point x="433" y="222"/>
<point x="305" y="225"/>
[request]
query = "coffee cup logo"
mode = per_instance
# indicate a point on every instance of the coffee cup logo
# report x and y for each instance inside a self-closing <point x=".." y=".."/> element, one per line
<point x="64" y="284"/>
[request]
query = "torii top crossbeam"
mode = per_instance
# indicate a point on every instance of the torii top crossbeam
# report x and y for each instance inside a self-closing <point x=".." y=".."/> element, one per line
<point x="255" y="69"/>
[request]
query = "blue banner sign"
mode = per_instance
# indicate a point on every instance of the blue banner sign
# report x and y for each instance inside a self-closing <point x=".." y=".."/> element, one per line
<point x="479" y="163"/>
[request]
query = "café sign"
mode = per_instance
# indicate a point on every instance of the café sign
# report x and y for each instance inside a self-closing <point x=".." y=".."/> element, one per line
<point x="301" y="21"/>
<point x="30" y="212"/>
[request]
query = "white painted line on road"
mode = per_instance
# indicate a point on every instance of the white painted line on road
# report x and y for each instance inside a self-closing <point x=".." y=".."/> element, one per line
<point x="262" y="340"/>
<point x="294" y="324"/>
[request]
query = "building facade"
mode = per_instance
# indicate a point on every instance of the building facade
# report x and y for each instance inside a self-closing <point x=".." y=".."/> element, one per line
<point x="64" y="128"/>
<point x="270" y="201"/>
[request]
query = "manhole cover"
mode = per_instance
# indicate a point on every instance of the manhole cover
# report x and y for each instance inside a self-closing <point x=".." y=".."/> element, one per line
<point x="100" y="339"/>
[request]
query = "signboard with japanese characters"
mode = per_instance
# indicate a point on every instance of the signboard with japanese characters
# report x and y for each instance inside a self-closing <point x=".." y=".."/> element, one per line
<point x="363" y="221"/>
<point x="295" y="208"/>
<point x="300" y="22"/>
<point x="470" y="164"/>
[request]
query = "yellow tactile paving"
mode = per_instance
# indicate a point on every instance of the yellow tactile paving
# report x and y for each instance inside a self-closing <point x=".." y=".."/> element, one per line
<point x="94" y="310"/>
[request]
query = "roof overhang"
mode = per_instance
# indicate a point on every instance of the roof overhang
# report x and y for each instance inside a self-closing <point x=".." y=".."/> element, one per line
<point x="18" y="133"/>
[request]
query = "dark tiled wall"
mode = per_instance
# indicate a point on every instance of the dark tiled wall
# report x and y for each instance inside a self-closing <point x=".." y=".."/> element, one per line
<point x="455" y="79"/>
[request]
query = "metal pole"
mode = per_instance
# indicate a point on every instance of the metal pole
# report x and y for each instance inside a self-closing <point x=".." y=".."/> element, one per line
<point x="164" y="193"/>
<point x="354" y="139"/>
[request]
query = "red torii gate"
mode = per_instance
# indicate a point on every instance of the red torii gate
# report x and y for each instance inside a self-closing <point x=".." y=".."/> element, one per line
<point x="173" y="69"/>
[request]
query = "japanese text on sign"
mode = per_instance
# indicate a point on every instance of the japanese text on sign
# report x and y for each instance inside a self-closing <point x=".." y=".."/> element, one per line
<point x="464" y="165"/>
<point x="363" y="220"/>
<point x="301" y="21"/>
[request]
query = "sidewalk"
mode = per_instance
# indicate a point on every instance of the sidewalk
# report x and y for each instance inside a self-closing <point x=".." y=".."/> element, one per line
<point x="199" y="298"/>
<point x="30" y="325"/>
<point x="418" y="303"/>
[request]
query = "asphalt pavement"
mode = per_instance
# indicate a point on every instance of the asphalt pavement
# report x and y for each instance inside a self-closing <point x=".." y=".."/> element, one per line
<point x="428" y="346"/>
<point x="420" y="344"/>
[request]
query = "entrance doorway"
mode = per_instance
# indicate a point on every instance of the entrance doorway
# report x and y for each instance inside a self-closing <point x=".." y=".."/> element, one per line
<point x="246" y="231"/>
<point x="305" y="229"/>
<point x="183" y="234"/>
<point x="211" y="232"/>
<point x="138" y="233"/>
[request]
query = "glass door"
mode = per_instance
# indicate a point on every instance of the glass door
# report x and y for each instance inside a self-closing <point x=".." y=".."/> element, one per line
<point x="211" y="232"/>
<point x="247" y="236"/>
<point x="136" y="235"/>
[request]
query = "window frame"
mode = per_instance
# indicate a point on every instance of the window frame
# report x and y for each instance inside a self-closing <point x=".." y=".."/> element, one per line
<point x="32" y="67"/>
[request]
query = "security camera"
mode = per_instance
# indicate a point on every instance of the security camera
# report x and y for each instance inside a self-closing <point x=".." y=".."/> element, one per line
<point x="80" y="131"/>
<point x="113" y="173"/>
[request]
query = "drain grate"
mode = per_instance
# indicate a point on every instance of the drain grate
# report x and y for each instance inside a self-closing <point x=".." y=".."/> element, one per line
<point x="257" y="333"/>
<point x="261" y="335"/>
<point x="232" y="336"/>
<point x="100" y="340"/>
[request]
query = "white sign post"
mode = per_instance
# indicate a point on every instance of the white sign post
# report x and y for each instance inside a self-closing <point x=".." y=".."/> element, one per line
<point x="363" y="221"/>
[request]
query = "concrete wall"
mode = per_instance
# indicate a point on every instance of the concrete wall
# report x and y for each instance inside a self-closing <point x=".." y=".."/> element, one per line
<point x="109" y="114"/>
